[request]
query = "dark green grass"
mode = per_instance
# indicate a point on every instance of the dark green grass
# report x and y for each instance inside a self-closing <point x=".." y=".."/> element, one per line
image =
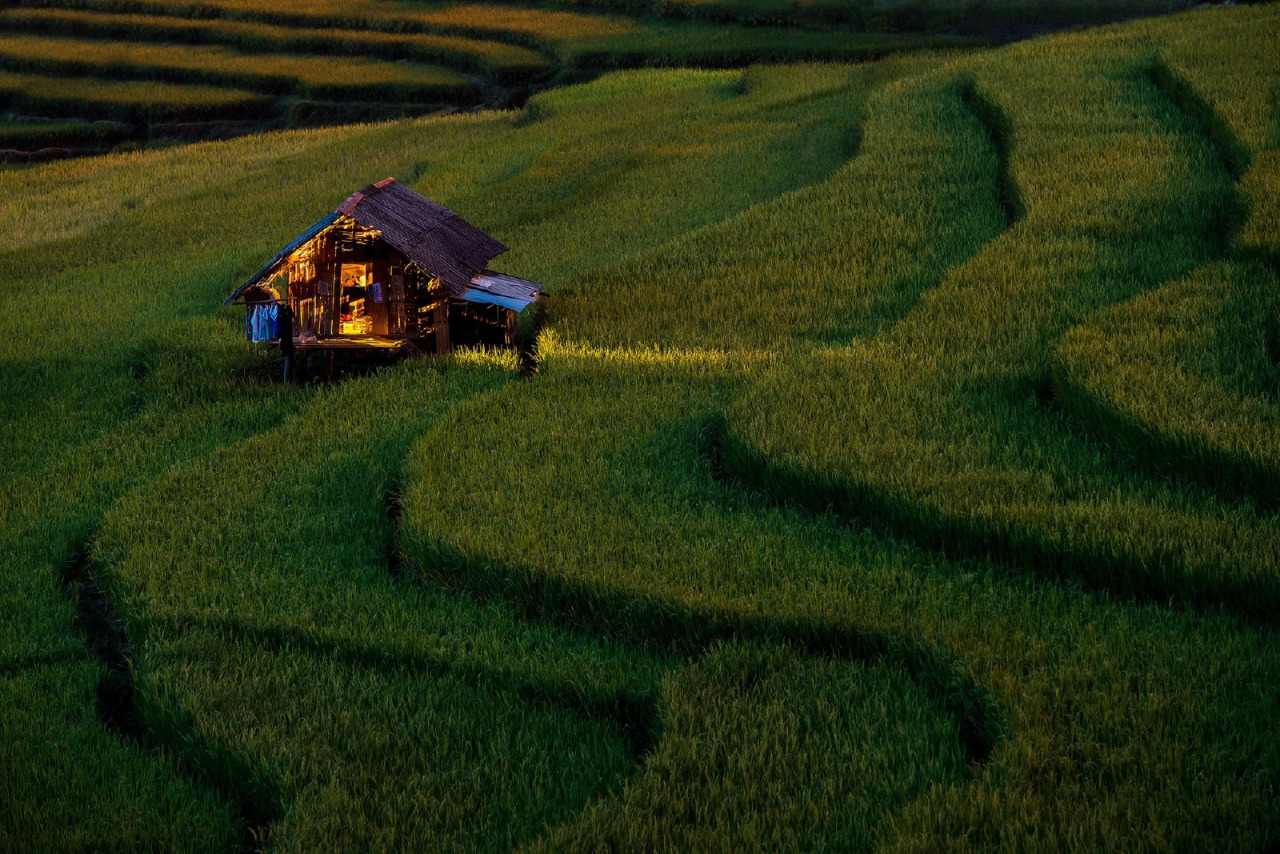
<point x="281" y="73"/>
<point x="1183" y="379"/>
<point x="436" y="671"/>
<point x="614" y="443"/>
<point x="584" y="629"/>
<point x="914" y="428"/>
<point x="727" y="46"/>
<point x="1234" y="83"/>
<point x="448" y="765"/>
<point x="52" y="744"/>
<point x="135" y="379"/>
<point x="1211" y="415"/>
<point x="638" y="159"/>
<point x="138" y="380"/>
<point x="463" y="755"/>
<point x="126" y="101"/>
<point x="515" y="50"/>
<point x="28" y="135"/>
<point x="746" y="728"/>
<point x="484" y="38"/>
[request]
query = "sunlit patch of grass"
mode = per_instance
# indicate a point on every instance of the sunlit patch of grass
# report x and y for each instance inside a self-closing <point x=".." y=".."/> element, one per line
<point x="828" y="262"/>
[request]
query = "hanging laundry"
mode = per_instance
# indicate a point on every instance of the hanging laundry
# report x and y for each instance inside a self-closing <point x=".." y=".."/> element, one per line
<point x="273" y="320"/>
<point x="376" y="290"/>
<point x="264" y="322"/>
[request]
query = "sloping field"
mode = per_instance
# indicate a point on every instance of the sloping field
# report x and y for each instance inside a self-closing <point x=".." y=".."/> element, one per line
<point x="124" y="99"/>
<point x="199" y="64"/>
<point x="397" y="59"/>
<point x="491" y="57"/>
<point x="899" y="471"/>
<point x="535" y="25"/>
<point x="339" y="63"/>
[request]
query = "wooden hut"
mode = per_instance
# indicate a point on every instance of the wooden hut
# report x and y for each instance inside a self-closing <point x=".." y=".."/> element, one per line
<point x="388" y="271"/>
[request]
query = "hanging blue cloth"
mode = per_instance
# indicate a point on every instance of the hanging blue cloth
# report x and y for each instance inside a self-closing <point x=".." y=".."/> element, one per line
<point x="257" y="323"/>
<point x="264" y="322"/>
<point x="376" y="290"/>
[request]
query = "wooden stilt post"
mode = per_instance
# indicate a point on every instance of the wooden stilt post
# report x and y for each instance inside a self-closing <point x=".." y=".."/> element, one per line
<point x="440" y="320"/>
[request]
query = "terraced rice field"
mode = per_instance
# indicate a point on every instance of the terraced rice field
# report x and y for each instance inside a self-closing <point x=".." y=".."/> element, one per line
<point x="494" y="58"/>
<point x="123" y="99"/>
<point x="329" y="62"/>
<point x="899" y="471"/>
<point x="302" y="75"/>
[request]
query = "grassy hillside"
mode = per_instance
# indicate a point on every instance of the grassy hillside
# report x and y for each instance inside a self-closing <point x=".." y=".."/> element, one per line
<point x="327" y="63"/>
<point x="899" y="471"/>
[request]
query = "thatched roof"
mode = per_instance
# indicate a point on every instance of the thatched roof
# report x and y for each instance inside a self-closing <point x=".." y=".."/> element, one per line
<point x="442" y="243"/>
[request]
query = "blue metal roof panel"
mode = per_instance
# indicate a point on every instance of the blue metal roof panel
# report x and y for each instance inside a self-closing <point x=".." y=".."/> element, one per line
<point x="506" y="286"/>
<point x="514" y="303"/>
<point x="328" y="220"/>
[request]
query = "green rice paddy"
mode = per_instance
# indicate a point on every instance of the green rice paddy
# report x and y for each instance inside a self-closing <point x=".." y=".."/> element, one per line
<point x="899" y="471"/>
<point x="490" y="57"/>
<point x="301" y="75"/>
<point x="123" y="99"/>
<point x="330" y="63"/>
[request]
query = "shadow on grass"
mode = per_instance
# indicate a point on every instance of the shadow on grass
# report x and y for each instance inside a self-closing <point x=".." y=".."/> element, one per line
<point x="1017" y="548"/>
<point x="664" y="627"/>
<point x="1234" y="475"/>
<point x="999" y="131"/>
<point x="157" y="729"/>
<point x="633" y="715"/>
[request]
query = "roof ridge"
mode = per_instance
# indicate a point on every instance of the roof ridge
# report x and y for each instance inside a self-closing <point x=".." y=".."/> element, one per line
<point x="356" y="198"/>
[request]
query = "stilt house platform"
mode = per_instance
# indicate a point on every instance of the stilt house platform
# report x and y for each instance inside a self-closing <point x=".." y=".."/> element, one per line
<point x="388" y="271"/>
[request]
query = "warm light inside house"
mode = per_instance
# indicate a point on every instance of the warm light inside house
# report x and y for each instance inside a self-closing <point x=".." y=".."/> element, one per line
<point x="389" y="270"/>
